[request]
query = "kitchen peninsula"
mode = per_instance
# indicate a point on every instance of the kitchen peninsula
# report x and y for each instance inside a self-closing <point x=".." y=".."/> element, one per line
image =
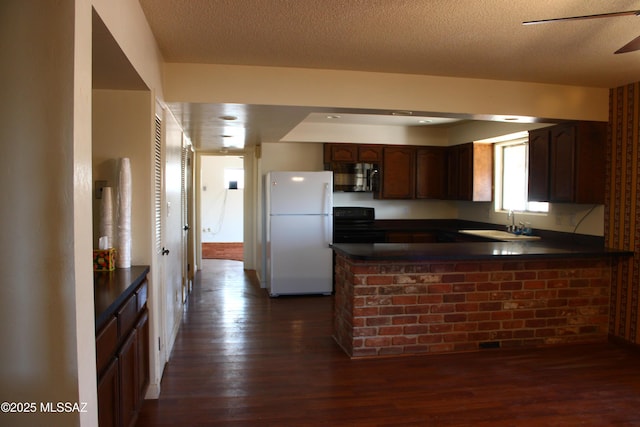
<point x="416" y="298"/>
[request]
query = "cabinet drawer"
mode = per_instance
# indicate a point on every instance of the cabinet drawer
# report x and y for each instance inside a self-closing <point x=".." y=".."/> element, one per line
<point x="106" y="342"/>
<point x="127" y="316"/>
<point x="141" y="294"/>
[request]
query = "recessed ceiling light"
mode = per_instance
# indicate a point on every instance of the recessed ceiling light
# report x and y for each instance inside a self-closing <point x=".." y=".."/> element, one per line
<point x="228" y="118"/>
<point x="333" y="116"/>
<point x="511" y="119"/>
<point x="425" y="121"/>
<point x="402" y="113"/>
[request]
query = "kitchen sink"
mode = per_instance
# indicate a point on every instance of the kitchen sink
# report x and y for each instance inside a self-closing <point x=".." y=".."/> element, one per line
<point x="500" y="235"/>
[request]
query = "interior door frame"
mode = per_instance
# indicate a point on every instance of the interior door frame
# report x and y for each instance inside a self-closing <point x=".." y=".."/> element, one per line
<point x="188" y="220"/>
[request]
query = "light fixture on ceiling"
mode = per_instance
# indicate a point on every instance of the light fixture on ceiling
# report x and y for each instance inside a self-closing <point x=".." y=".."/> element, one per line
<point x="424" y="121"/>
<point x="233" y="137"/>
<point x="228" y="118"/>
<point x="402" y="113"/>
<point x="333" y="117"/>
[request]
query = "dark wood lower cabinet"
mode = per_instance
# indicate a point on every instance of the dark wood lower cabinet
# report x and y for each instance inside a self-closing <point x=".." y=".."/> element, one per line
<point x="142" y="329"/>
<point x="411" y="237"/>
<point x="123" y="382"/>
<point x="108" y="396"/>
<point x="128" y="370"/>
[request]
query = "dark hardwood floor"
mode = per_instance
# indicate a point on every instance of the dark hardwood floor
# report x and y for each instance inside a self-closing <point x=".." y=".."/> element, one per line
<point x="243" y="359"/>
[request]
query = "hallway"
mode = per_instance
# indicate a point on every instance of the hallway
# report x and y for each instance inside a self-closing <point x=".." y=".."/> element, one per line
<point x="244" y="359"/>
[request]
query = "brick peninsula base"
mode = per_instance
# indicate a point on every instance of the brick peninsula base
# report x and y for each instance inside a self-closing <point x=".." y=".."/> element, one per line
<point x="412" y="307"/>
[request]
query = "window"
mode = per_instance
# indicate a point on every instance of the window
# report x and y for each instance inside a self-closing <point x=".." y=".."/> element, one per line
<point x="511" y="175"/>
<point x="234" y="178"/>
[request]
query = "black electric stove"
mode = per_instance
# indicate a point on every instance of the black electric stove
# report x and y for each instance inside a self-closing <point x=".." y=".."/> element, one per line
<point x="355" y="225"/>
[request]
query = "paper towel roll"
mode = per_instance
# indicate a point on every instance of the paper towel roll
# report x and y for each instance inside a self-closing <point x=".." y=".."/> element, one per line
<point x="106" y="216"/>
<point x="124" y="214"/>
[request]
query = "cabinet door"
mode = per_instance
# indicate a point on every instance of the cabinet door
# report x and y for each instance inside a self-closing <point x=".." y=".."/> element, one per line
<point x="106" y="343"/>
<point x="424" y="237"/>
<point x="453" y="173"/>
<point x="128" y="373"/>
<point x="142" y="329"/>
<point x="369" y="153"/>
<point x="430" y="173"/>
<point x="398" y="237"/>
<point x="398" y="173"/>
<point x="341" y="153"/>
<point x="591" y="143"/>
<point x="465" y="172"/>
<point x="470" y="172"/>
<point x="562" y="164"/>
<point x="481" y="172"/>
<point x="539" y="165"/>
<point x="108" y="404"/>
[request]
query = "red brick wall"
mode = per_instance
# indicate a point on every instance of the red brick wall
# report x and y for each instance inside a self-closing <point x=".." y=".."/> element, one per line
<point x="411" y="307"/>
<point x="224" y="250"/>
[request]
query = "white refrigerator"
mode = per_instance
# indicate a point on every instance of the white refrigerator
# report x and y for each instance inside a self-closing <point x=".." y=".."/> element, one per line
<point x="299" y="231"/>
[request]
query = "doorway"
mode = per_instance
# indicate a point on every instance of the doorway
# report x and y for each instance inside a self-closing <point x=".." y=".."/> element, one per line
<point x="222" y="207"/>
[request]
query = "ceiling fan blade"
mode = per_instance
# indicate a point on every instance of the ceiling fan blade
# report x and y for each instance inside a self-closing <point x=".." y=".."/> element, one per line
<point x="576" y="18"/>
<point x="632" y="46"/>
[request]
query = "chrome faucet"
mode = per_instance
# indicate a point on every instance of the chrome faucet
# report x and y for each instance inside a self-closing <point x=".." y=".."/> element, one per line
<point x="511" y="227"/>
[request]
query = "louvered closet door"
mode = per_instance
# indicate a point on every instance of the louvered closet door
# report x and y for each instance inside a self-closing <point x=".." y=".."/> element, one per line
<point x="159" y="213"/>
<point x="158" y="187"/>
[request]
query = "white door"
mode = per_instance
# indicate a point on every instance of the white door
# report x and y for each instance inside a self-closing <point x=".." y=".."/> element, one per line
<point x="158" y="309"/>
<point x="173" y="229"/>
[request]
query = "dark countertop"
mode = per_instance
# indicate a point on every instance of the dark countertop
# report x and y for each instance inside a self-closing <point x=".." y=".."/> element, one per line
<point x="112" y="288"/>
<point x="471" y="250"/>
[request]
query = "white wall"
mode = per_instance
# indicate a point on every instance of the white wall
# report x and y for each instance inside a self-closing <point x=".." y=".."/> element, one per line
<point x="46" y="297"/>
<point x="221" y="208"/>
<point x="120" y="129"/>
<point x="367" y="134"/>
<point x="354" y="89"/>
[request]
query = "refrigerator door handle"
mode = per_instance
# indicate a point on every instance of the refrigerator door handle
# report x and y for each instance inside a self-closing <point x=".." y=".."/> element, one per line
<point x="328" y="232"/>
<point x="327" y="199"/>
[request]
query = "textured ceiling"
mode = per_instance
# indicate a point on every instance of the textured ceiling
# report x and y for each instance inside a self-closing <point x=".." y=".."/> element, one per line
<point x="459" y="38"/>
<point x="465" y="38"/>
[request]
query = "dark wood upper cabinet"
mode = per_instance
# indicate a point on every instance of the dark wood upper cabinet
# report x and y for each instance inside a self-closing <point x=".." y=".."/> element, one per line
<point x="563" y="164"/>
<point x="352" y="153"/>
<point x="575" y="163"/>
<point x="539" y="156"/>
<point x="398" y="172"/>
<point x="431" y="173"/>
<point x="462" y="172"/>
<point x="369" y="153"/>
<point x="340" y="153"/>
<point x="470" y="172"/>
